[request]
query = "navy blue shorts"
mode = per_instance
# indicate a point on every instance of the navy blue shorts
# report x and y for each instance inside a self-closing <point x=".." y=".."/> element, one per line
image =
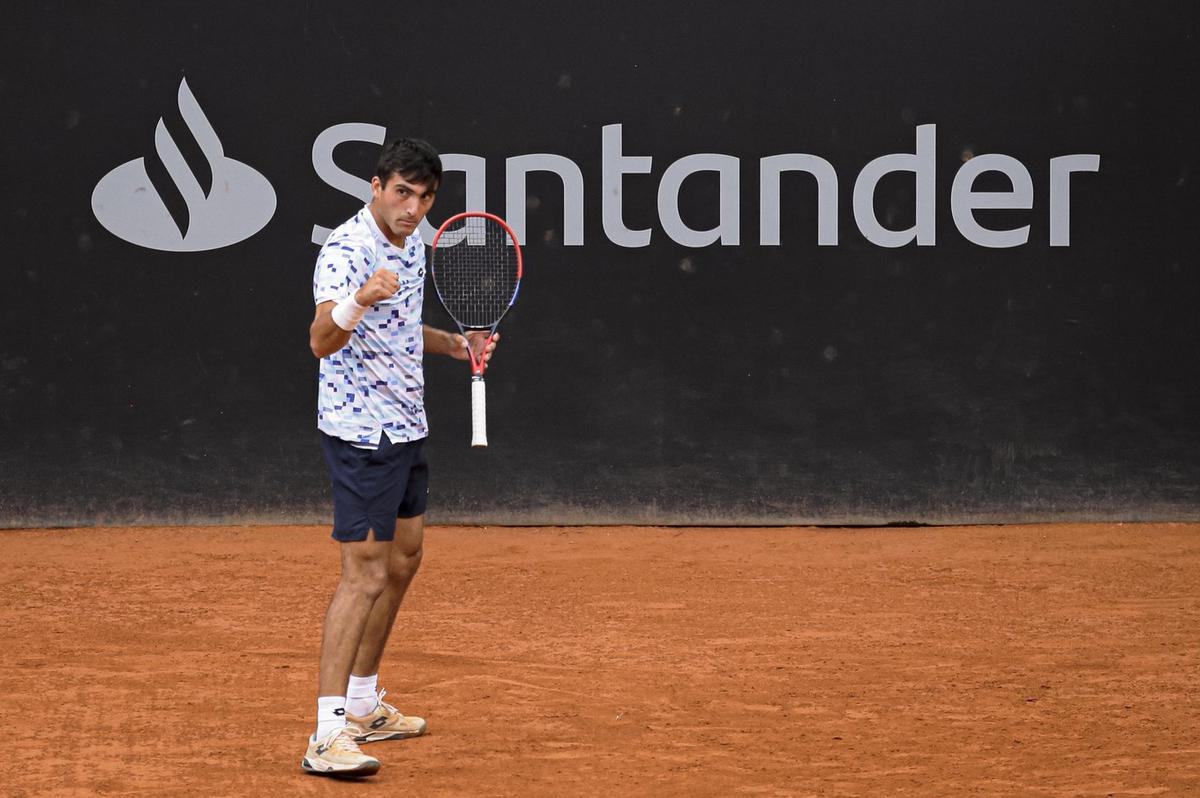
<point x="374" y="487"/>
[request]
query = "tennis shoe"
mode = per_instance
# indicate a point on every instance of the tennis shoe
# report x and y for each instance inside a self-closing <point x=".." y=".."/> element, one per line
<point x="337" y="754"/>
<point x="385" y="722"/>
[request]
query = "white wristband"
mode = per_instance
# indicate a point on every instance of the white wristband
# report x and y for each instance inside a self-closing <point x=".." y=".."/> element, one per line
<point x="347" y="313"/>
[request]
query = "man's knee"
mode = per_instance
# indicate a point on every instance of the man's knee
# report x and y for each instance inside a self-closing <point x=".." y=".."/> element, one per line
<point x="404" y="564"/>
<point x="365" y="569"/>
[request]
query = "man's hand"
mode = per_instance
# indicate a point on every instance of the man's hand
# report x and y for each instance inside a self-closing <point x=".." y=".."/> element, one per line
<point x="478" y="342"/>
<point x="383" y="284"/>
<point x="440" y="342"/>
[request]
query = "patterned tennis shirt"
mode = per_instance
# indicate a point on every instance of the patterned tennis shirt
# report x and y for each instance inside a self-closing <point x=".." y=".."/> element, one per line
<point x="375" y="383"/>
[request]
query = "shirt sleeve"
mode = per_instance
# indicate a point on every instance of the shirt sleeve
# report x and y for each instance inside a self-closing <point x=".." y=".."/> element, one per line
<point x="342" y="268"/>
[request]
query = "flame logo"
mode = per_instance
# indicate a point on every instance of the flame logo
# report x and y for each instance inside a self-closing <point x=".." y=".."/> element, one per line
<point x="237" y="204"/>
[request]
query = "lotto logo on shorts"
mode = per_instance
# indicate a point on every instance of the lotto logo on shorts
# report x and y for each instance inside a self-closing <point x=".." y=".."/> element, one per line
<point x="235" y="204"/>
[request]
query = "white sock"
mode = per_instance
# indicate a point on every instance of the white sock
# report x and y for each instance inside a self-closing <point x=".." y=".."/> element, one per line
<point x="362" y="694"/>
<point x="331" y="714"/>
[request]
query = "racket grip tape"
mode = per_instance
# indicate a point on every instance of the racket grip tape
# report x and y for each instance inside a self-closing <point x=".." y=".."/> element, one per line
<point x="478" y="412"/>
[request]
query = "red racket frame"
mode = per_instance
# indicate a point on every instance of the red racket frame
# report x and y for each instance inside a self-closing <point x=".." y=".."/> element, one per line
<point x="477" y="368"/>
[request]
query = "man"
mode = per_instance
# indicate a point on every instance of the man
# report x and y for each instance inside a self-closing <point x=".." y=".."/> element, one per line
<point x="368" y="287"/>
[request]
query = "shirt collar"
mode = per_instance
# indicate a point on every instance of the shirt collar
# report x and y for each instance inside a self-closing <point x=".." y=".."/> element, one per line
<point x="371" y="223"/>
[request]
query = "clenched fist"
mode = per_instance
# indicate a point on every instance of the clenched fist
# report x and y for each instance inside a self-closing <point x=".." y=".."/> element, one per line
<point x="383" y="284"/>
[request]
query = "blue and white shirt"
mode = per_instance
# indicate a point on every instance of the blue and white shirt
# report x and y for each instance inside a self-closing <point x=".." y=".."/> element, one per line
<point x="376" y="382"/>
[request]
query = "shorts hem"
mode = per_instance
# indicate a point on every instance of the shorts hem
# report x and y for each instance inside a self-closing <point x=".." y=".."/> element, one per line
<point x="358" y="535"/>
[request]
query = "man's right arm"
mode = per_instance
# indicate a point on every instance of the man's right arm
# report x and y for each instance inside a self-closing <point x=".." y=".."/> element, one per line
<point x="331" y="327"/>
<point x="325" y="337"/>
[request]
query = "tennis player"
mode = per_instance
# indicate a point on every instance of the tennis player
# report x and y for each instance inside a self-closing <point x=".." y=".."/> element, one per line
<point x="368" y="287"/>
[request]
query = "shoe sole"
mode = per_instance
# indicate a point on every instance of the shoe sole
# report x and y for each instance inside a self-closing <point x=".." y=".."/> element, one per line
<point x="372" y="738"/>
<point x="354" y="773"/>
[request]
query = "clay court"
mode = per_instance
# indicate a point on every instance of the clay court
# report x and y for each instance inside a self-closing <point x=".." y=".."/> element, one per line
<point x="1055" y="660"/>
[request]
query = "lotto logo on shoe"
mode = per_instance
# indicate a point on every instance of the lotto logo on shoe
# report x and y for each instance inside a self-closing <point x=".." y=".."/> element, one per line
<point x="235" y="204"/>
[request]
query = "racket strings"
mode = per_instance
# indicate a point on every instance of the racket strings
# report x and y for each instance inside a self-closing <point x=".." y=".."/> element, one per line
<point x="476" y="275"/>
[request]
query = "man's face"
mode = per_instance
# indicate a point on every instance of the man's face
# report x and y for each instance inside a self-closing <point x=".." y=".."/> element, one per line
<point x="400" y="204"/>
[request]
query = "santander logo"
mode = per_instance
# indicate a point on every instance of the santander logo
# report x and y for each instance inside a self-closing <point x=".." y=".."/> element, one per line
<point x="239" y="201"/>
<point x="237" y="204"/>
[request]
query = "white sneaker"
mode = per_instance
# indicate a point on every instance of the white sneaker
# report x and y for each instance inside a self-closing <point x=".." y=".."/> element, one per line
<point x="336" y="754"/>
<point x="384" y="722"/>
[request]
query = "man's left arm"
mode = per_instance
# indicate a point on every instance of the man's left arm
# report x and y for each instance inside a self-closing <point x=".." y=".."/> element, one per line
<point x="441" y="342"/>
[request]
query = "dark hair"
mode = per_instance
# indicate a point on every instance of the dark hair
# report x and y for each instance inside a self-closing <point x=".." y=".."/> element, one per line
<point x="412" y="159"/>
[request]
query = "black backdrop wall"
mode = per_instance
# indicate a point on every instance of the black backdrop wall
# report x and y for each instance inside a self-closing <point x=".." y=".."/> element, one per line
<point x="741" y="382"/>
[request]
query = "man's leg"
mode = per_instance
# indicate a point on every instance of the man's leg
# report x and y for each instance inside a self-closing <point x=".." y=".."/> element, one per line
<point x="402" y="564"/>
<point x="371" y="718"/>
<point x="332" y="750"/>
<point x="364" y="580"/>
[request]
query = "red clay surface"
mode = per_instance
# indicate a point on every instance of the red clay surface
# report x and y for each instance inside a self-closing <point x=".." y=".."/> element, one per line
<point x="1012" y="661"/>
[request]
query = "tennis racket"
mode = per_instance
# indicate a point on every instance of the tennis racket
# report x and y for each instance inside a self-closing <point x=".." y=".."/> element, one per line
<point x="476" y="269"/>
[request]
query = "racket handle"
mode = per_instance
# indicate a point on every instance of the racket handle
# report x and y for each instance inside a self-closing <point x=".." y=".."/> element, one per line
<point x="478" y="412"/>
